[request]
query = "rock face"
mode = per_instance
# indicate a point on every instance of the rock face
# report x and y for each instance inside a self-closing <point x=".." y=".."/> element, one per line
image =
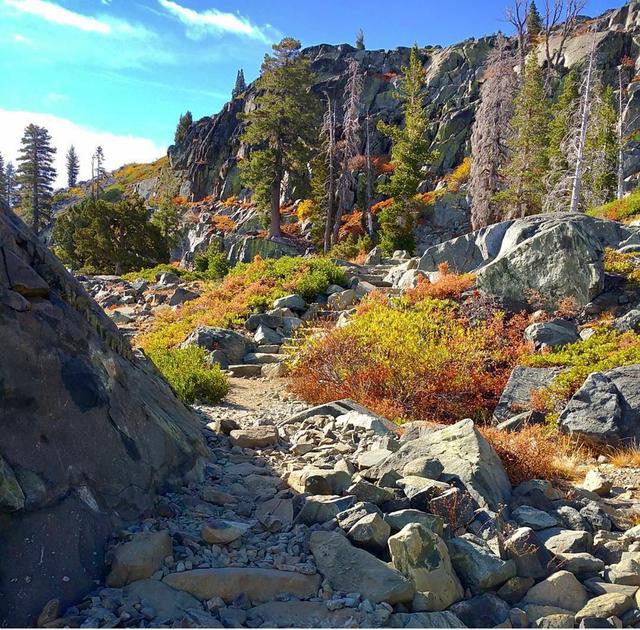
<point x="606" y="408"/>
<point x="548" y="255"/>
<point x="90" y="432"/>
<point x="210" y="152"/>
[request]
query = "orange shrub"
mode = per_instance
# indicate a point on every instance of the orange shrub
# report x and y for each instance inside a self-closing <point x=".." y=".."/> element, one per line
<point x="534" y="452"/>
<point x="418" y="362"/>
<point x="382" y="164"/>
<point x="385" y="203"/>
<point x="447" y="286"/>
<point x="291" y="229"/>
<point x="223" y="223"/>
<point x="351" y="224"/>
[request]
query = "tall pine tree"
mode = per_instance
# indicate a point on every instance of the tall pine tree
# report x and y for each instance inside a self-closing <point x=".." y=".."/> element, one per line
<point x="3" y="183"/>
<point x="73" y="167"/>
<point x="36" y="175"/>
<point x="529" y="146"/>
<point x="410" y="154"/>
<point x="534" y="21"/>
<point x="11" y="191"/>
<point x="186" y="120"/>
<point x="283" y="127"/>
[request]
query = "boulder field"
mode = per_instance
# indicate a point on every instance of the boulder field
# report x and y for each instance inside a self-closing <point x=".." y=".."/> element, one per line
<point x="90" y="432"/>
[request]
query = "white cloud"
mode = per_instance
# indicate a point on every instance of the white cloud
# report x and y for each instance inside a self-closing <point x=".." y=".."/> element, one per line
<point x="21" y="39"/>
<point x="118" y="149"/>
<point x="217" y="23"/>
<point x="52" y="12"/>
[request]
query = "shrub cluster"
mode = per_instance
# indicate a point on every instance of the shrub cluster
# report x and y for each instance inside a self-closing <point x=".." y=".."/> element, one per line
<point x="420" y="361"/>
<point x="190" y="374"/>
<point x="248" y="288"/>
<point x="624" y="209"/>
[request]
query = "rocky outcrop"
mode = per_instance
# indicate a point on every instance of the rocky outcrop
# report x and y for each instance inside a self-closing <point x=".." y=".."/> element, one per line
<point x="546" y="256"/>
<point x="211" y="150"/>
<point x="90" y="432"/>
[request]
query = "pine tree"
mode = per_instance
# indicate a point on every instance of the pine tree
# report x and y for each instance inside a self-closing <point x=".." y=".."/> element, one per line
<point x="3" y="183"/>
<point x="186" y="120"/>
<point x="36" y="175"/>
<point x="562" y="144"/>
<point x="349" y="147"/>
<point x="240" y="85"/>
<point x="529" y="158"/>
<point x="601" y="149"/>
<point x="491" y="133"/>
<point x="360" y="40"/>
<point x="283" y="127"/>
<point x="534" y="21"/>
<point x="73" y="167"/>
<point x="410" y="154"/>
<point x="11" y="193"/>
<point x="98" y="172"/>
<point x="323" y="179"/>
<point x="167" y="215"/>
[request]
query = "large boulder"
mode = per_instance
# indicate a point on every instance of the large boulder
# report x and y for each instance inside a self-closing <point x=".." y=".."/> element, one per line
<point x="351" y="570"/>
<point x="90" y="432"/>
<point x="606" y="408"/>
<point x="465" y="456"/>
<point x="229" y="345"/>
<point x="422" y="556"/>
<point x="554" y="256"/>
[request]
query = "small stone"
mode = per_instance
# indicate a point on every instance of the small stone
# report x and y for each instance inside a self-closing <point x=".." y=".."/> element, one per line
<point x="595" y="482"/>
<point x="220" y="532"/>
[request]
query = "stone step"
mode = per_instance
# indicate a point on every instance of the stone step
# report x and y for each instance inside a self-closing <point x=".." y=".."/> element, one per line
<point x="260" y="358"/>
<point x="272" y="348"/>
<point x="245" y="370"/>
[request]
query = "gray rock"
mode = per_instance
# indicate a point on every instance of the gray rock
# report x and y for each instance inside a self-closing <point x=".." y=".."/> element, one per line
<point x="303" y="614"/>
<point x="477" y="567"/>
<point x="422" y="556"/>
<point x="455" y="506"/>
<point x="167" y="279"/>
<point x="221" y="532"/>
<point x="139" y="558"/>
<point x="350" y="569"/>
<point x="482" y="611"/>
<point x="464" y="454"/>
<point x="627" y="571"/>
<point x="370" y="532"/>
<point x="253" y="322"/>
<point x="168" y="603"/>
<point x="580" y="563"/>
<point x="628" y="322"/>
<point x="605" y="606"/>
<point x="444" y="619"/>
<point x="11" y="494"/>
<point x="595" y="482"/>
<point x="561" y="590"/>
<point x="366" y="491"/>
<point x="556" y="332"/>
<point x="557" y="620"/>
<point x="400" y="518"/>
<point x="606" y="408"/>
<point x="293" y="302"/>
<point x="535" y="519"/>
<point x="352" y="515"/>
<point x="320" y="509"/>
<point x="266" y="335"/>
<point x="181" y="295"/>
<point x="313" y="480"/>
<point x="515" y="588"/>
<point x="558" y="540"/>
<point x="531" y="557"/>
<point x="516" y="396"/>
<point x="232" y="344"/>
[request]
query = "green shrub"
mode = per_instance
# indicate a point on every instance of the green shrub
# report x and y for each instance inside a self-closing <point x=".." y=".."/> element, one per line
<point x="190" y="374"/>
<point x="396" y="227"/>
<point x="213" y="263"/>
<point x="352" y="247"/>
<point x="113" y="193"/>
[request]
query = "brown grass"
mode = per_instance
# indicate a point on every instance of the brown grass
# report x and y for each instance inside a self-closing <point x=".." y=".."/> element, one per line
<point x="536" y="452"/>
<point x="627" y="457"/>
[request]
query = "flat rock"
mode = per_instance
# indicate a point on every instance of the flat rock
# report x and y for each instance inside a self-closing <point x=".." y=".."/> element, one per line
<point x="535" y="519"/>
<point x="558" y="540"/>
<point x="561" y="590"/>
<point x="259" y="585"/>
<point x="254" y="437"/>
<point x="350" y="569"/>
<point x="301" y="614"/>
<point x="322" y="508"/>
<point x="605" y="606"/>
<point x="221" y="532"/>
<point x="314" y="480"/>
<point x="400" y="518"/>
<point x="370" y="532"/>
<point x="168" y="603"/>
<point x="627" y="571"/>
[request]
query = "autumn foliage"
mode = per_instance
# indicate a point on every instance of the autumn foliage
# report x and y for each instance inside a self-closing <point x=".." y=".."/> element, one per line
<point x="418" y="361"/>
<point x="447" y="286"/>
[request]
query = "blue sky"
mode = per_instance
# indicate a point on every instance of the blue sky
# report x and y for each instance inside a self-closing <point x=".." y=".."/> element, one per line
<point x="120" y="72"/>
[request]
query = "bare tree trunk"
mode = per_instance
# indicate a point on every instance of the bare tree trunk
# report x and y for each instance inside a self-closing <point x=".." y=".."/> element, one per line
<point x="330" y="128"/>
<point x="584" y="125"/>
<point x="620" y="190"/>
<point x="369" y="188"/>
<point x="274" y="224"/>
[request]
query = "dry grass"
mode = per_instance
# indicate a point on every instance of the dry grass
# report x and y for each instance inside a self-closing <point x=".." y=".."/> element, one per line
<point x="448" y="286"/>
<point x="536" y="452"/>
<point x="626" y="457"/>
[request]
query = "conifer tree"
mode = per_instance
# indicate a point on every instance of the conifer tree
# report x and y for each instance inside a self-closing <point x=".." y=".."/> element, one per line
<point x="240" y="85"/>
<point x="410" y="154"/>
<point x="360" y="40"/>
<point x="36" y="175"/>
<point x="167" y="214"/>
<point x="534" y="21"/>
<point x="186" y="120"/>
<point x="283" y="127"/>
<point x="73" y="167"/>
<point x="491" y="133"/>
<point x="601" y="148"/>
<point x="99" y="172"/>
<point x="529" y="157"/>
<point x="11" y="192"/>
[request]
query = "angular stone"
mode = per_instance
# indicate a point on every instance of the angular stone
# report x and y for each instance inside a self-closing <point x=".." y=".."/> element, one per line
<point x="464" y="454"/>
<point x="531" y="557"/>
<point x="370" y="532"/>
<point x="254" y="437"/>
<point x="627" y="571"/>
<point x="350" y="569"/>
<point x="454" y="506"/>
<point x="313" y="480"/>
<point x="555" y="332"/>
<point x="559" y="620"/>
<point x="423" y="557"/>
<point x="232" y="344"/>
<point x="423" y="467"/>
<point x="595" y="482"/>
<point x="482" y="611"/>
<point x="559" y="540"/>
<point x="221" y="532"/>
<point x="259" y="585"/>
<point x="561" y="590"/>
<point x="352" y="515"/>
<point x="580" y="563"/>
<point x="477" y="567"/>
<point x="181" y="295"/>
<point x="605" y="606"/>
<point x="400" y="518"/>
<point x="274" y="511"/>
<point x="216" y="497"/>
<point x="139" y="558"/>
<point x="535" y="519"/>
<point x="22" y="278"/>
<point x="322" y="508"/>
<point x="366" y="491"/>
<point x="515" y="588"/>
<point x="516" y="396"/>
<point x="422" y="488"/>
<point x="293" y="302"/>
<point x="265" y="335"/>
